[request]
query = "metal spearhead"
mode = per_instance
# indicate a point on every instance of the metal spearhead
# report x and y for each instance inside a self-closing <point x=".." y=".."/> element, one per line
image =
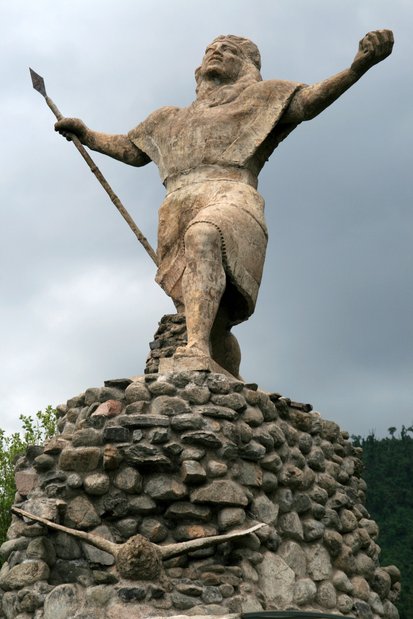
<point x="38" y="82"/>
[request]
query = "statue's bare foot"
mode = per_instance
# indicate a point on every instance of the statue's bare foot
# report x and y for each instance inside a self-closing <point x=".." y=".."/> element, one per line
<point x="192" y="350"/>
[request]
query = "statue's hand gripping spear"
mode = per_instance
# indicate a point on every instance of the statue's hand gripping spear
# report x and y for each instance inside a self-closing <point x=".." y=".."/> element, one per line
<point x="39" y="85"/>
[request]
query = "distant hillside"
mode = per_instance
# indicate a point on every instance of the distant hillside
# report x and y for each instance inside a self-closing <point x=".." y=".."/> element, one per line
<point x="389" y="475"/>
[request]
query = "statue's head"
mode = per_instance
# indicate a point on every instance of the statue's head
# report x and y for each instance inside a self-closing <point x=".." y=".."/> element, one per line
<point x="229" y="58"/>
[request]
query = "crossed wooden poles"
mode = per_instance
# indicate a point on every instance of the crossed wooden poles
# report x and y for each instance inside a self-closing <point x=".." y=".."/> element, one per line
<point x="39" y="85"/>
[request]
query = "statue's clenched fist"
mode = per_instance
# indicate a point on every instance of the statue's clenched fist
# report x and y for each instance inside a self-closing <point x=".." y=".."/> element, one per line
<point x="67" y="127"/>
<point x="373" y="48"/>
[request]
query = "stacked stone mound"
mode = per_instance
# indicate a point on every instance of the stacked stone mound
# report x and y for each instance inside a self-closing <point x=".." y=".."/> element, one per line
<point x="170" y="334"/>
<point x="180" y="456"/>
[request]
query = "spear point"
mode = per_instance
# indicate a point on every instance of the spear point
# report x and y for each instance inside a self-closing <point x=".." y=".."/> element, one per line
<point x="38" y="82"/>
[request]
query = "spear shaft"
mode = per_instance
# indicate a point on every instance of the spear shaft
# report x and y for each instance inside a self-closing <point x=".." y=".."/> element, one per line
<point x="38" y="84"/>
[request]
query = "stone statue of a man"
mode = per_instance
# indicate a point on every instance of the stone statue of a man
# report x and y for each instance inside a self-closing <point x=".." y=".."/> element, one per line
<point x="212" y="234"/>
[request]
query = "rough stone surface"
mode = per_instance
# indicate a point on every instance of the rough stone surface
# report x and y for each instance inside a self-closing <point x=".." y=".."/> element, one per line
<point x="193" y="456"/>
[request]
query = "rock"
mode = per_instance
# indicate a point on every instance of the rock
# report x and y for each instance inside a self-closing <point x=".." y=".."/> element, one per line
<point x="159" y="436"/>
<point x="333" y="542"/>
<point x="154" y="530"/>
<point x="301" y="503"/>
<point x="313" y="529"/>
<point x="305" y="591"/>
<point x="170" y="406"/>
<point x="143" y="421"/>
<point x="220" y="492"/>
<point x="43" y="462"/>
<point x="95" y="555"/>
<point x="111" y="393"/>
<point x="344" y="603"/>
<point x="96" y="484"/>
<point x="269" y="482"/>
<point x="189" y="588"/>
<point x="253" y="417"/>
<point x="361" y="588"/>
<point x="318" y="562"/>
<point x="81" y="460"/>
<point x="248" y="474"/>
<point x="187" y="421"/>
<point x="316" y="459"/>
<point x="63" y="602"/>
<point x="165" y="488"/>
<point x="136" y="408"/>
<point x="46" y="508"/>
<point x="66" y="546"/>
<point x="196" y="394"/>
<point x="43" y="549"/>
<point x="111" y="458"/>
<point x="162" y="387"/>
<point x="13" y="545"/>
<point x="219" y="412"/>
<point x="202" y="437"/>
<point x="110" y="408"/>
<point x="142" y="504"/>
<point x="127" y="526"/>
<point x="212" y="595"/>
<point x="381" y="582"/>
<point x="146" y="456"/>
<point x="348" y="521"/>
<point x="264" y="510"/>
<point x="294" y="557"/>
<point x="81" y="514"/>
<point x="191" y="453"/>
<point x="271" y="462"/>
<point x="326" y="595"/>
<point x="129" y="480"/>
<point x="26" y="481"/>
<point x="186" y="532"/>
<point x="132" y="594"/>
<point x="236" y="401"/>
<point x="216" y="468"/>
<point x="218" y="383"/>
<point x="24" y="575"/>
<point x="231" y="517"/>
<point x="187" y="511"/>
<point x="277" y="580"/>
<point x="252" y="451"/>
<point x="137" y="391"/>
<point x="290" y="525"/>
<point x="116" y="434"/>
<point x="192" y="472"/>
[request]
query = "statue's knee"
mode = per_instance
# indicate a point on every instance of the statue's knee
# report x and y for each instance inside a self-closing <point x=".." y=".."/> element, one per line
<point x="202" y="237"/>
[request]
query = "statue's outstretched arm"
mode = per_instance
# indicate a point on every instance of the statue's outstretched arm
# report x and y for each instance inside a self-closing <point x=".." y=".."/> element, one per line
<point x="311" y="100"/>
<point x="117" y="146"/>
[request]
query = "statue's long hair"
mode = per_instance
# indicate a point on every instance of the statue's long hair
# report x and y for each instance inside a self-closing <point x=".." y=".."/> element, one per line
<point x="249" y="73"/>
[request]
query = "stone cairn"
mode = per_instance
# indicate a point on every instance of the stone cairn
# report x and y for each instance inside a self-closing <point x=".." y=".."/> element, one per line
<point x="184" y="456"/>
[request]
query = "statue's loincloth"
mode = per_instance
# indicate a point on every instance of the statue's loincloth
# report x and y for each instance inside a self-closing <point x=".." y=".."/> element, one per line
<point x="237" y="210"/>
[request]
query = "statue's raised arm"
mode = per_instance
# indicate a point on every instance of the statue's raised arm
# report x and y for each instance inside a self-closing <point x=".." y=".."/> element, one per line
<point x="311" y="100"/>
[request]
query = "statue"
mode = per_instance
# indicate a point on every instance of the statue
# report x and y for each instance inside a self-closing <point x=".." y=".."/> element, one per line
<point x="212" y="234"/>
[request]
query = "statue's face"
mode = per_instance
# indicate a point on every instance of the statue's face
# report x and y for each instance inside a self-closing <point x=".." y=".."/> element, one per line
<point x="223" y="60"/>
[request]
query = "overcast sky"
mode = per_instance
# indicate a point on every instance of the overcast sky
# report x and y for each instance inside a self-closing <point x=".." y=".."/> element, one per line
<point x="333" y="324"/>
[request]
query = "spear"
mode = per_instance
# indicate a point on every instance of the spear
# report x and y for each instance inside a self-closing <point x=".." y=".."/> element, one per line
<point x="39" y="85"/>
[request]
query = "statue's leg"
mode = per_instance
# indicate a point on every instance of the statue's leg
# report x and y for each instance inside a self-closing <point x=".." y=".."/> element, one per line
<point x="224" y="345"/>
<point x="203" y="284"/>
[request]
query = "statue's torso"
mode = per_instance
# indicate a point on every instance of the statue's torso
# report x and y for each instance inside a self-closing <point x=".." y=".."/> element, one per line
<point x="238" y="133"/>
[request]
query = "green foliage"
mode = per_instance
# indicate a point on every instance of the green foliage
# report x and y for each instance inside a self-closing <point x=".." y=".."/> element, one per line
<point x="389" y="472"/>
<point x="35" y="430"/>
